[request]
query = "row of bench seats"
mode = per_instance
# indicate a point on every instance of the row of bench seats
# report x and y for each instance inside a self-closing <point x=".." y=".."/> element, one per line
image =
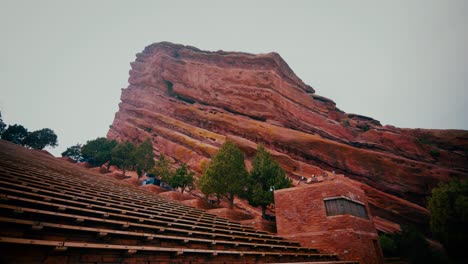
<point x="50" y="203"/>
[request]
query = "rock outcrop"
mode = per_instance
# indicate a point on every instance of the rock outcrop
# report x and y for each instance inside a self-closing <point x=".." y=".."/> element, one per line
<point x="190" y="101"/>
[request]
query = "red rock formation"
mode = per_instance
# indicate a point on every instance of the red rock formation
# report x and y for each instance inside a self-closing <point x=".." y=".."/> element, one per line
<point x="190" y="101"/>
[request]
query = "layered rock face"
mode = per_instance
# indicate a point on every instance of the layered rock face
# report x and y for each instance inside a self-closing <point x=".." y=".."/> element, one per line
<point x="189" y="102"/>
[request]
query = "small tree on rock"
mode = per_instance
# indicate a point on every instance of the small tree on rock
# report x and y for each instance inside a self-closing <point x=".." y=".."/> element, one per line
<point x="123" y="156"/>
<point x="266" y="173"/>
<point x="40" y="139"/>
<point x="226" y="174"/>
<point x="98" y="151"/>
<point x="182" y="178"/>
<point x="74" y="152"/>
<point x="162" y="169"/>
<point x="144" y="157"/>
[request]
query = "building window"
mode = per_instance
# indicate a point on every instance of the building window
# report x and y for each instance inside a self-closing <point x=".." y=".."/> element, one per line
<point x="341" y="205"/>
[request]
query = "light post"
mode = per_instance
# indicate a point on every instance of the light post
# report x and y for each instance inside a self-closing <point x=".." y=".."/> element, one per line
<point x="272" y="189"/>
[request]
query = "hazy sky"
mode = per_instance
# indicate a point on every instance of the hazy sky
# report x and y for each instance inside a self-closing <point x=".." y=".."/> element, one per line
<point x="404" y="63"/>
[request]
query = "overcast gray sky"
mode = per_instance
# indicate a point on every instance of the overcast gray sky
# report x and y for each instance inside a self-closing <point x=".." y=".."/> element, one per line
<point x="404" y="63"/>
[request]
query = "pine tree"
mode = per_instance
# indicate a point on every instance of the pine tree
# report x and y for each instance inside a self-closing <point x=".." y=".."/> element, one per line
<point x="144" y="157"/>
<point x="226" y="174"/>
<point x="266" y="173"/>
<point x="182" y="178"/>
<point x="162" y="169"/>
<point x="123" y="156"/>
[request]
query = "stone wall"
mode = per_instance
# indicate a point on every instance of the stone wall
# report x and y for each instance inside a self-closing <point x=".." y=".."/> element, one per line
<point x="301" y="216"/>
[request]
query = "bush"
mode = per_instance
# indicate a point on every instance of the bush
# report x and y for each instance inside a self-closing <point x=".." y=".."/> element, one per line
<point x="389" y="246"/>
<point x="449" y="216"/>
<point x="410" y="245"/>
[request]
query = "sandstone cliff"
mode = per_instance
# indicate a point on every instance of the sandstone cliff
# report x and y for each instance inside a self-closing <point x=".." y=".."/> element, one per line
<point x="190" y="101"/>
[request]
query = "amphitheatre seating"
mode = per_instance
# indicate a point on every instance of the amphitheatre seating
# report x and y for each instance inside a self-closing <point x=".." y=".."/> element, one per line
<point x="59" y="212"/>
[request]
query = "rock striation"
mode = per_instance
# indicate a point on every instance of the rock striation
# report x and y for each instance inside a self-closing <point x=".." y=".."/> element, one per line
<point x="190" y="101"/>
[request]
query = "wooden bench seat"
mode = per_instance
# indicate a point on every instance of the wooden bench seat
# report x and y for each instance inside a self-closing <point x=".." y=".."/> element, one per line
<point x="174" y="207"/>
<point x="90" y="203"/>
<point x="126" y="224"/>
<point x="122" y="214"/>
<point x="148" y="236"/>
<point x="197" y="219"/>
<point x="134" y="249"/>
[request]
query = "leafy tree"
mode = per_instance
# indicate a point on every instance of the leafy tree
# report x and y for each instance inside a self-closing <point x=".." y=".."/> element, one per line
<point x="74" y="152"/>
<point x="449" y="216"/>
<point x="389" y="245"/>
<point x="40" y="139"/>
<point x="266" y="173"/>
<point x="2" y="124"/>
<point x="15" y="133"/>
<point x="144" y="157"/>
<point x="413" y="245"/>
<point x="98" y="151"/>
<point x="207" y="185"/>
<point x="182" y="178"/>
<point x="410" y="245"/>
<point x="123" y="156"/>
<point x="162" y="169"/>
<point x="226" y="174"/>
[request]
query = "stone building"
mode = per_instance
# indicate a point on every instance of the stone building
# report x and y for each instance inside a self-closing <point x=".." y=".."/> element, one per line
<point x="332" y="216"/>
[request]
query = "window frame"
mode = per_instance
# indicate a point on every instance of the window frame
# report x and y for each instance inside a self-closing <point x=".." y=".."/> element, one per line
<point x="345" y="206"/>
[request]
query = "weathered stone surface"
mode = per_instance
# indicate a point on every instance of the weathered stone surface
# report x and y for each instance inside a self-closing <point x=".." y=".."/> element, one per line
<point x="230" y="214"/>
<point x="190" y="101"/>
<point x="301" y="216"/>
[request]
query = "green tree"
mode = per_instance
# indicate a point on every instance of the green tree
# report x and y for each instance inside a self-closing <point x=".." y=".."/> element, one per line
<point x="15" y="133"/>
<point x="449" y="216"/>
<point x="74" y="152"/>
<point x="144" y="157"/>
<point x="266" y="173"/>
<point x="207" y="184"/>
<point x="123" y="156"/>
<point x="410" y="245"/>
<point x="226" y="174"/>
<point x="182" y="178"/>
<point x="2" y="124"/>
<point x="162" y="169"/>
<point x="389" y="245"/>
<point x="98" y="151"/>
<point x="40" y="139"/>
